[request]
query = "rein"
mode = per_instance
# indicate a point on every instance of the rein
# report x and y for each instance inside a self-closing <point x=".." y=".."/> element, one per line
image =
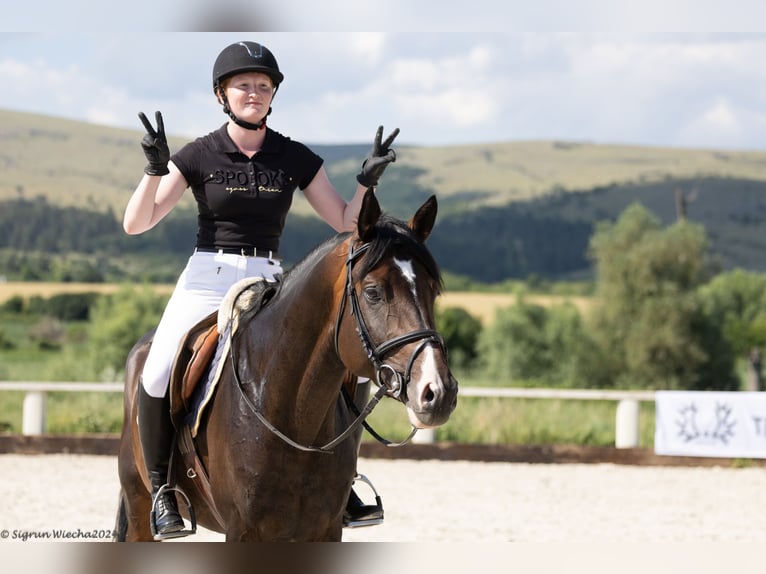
<point x="394" y="384"/>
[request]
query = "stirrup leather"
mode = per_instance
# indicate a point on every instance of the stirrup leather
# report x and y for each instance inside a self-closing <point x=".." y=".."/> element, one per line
<point x="376" y="510"/>
<point x="165" y="488"/>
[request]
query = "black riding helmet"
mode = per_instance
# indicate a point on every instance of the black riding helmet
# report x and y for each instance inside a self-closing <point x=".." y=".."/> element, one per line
<point x="244" y="57"/>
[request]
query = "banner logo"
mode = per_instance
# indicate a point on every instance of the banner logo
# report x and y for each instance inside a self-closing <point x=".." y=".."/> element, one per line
<point x="718" y="428"/>
<point x="710" y="423"/>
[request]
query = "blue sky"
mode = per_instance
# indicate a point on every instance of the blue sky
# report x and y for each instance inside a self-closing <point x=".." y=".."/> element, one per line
<point x="679" y="85"/>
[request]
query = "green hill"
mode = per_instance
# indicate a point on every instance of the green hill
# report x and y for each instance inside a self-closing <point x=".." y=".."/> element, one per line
<point x="79" y="164"/>
<point x="506" y="209"/>
<point x="505" y="172"/>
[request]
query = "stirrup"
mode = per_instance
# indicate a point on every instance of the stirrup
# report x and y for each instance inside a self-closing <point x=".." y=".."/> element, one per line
<point x="153" y="515"/>
<point x="378" y="507"/>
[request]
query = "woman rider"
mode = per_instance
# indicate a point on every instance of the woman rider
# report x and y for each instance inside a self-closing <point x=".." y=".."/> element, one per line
<point x="243" y="176"/>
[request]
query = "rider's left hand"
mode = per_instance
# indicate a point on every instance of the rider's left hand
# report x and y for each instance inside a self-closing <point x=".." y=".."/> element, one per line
<point x="380" y="156"/>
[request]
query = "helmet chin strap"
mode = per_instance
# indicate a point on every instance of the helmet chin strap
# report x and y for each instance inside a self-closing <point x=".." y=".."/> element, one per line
<point x="245" y="124"/>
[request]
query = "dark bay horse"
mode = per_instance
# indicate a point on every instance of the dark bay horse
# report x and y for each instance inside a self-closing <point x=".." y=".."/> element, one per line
<point x="360" y="303"/>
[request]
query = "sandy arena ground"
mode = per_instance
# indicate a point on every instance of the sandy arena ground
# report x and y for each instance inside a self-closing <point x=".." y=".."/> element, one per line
<point x="431" y="501"/>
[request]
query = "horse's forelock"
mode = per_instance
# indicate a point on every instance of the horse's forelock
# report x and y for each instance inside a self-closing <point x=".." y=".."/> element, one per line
<point x="393" y="235"/>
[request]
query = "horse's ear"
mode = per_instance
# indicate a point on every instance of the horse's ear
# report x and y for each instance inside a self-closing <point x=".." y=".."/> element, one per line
<point x="422" y="223"/>
<point x="368" y="216"/>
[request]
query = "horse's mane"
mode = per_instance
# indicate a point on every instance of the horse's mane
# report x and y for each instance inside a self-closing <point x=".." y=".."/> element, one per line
<point x="305" y="265"/>
<point x="391" y="236"/>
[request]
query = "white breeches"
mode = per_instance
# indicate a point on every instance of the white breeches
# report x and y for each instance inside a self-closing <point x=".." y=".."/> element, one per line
<point x="199" y="291"/>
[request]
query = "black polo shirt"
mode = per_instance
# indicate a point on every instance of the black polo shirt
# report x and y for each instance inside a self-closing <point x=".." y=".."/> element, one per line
<point x="243" y="202"/>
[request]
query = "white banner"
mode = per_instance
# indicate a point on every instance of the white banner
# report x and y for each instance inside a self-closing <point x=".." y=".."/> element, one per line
<point x="706" y="423"/>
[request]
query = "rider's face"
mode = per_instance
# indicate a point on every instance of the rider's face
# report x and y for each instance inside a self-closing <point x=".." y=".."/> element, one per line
<point x="249" y="95"/>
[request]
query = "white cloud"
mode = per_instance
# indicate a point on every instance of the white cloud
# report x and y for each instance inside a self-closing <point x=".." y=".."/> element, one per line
<point x="456" y="90"/>
<point x="452" y="107"/>
<point x="368" y="46"/>
<point x="653" y="90"/>
<point x="439" y="88"/>
<point x="721" y="116"/>
<point x="37" y="87"/>
<point x="722" y="125"/>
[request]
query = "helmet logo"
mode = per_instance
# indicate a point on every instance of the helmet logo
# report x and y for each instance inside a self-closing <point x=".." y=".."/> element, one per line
<point x="257" y="56"/>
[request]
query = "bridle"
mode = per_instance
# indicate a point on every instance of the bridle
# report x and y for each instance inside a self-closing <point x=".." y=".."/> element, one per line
<point x="388" y="380"/>
<point x="386" y="377"/>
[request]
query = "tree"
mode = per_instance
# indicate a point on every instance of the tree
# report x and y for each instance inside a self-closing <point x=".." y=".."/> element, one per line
<point x="650" y="320"/>
<point x="118" y="321"/>
<point x="576" y="360"/>
<point x="548" y="345"/>
<point x="513" y="347"/>
<point x="737" y="301"/>
<point x="460" y="331"/>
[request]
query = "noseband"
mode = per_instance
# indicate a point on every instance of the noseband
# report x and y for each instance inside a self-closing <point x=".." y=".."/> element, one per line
<point x="386" y="376"/>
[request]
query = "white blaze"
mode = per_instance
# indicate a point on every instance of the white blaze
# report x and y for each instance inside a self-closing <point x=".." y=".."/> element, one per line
<point x="429" y="372"/>
<point x="409" y="274"/>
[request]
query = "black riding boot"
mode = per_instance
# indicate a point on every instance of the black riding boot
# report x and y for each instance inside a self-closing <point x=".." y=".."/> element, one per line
<point x="156" y="431"/>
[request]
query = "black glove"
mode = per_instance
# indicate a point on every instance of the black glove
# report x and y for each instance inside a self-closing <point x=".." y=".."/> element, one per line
<point x="380" y="156"/>
<point x="155" y="146"/>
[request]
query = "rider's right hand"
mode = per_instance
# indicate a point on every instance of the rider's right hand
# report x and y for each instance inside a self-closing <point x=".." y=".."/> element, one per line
<point x="155" y="146"/>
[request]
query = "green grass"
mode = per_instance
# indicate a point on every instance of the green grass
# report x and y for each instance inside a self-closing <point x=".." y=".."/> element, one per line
<point x="10" y="411"/>
<point x="67" y="413"/>
<point x="520" y="421"/>
<point x="24" y="359"/>
<point x="72" y="413"/>
<point x="29" y="363"/>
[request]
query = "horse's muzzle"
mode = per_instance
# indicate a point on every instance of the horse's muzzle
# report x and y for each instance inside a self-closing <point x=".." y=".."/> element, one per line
<point x="431" y="403"/>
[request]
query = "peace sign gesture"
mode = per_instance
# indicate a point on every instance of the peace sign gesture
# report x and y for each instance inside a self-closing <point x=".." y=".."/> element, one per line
<point x="155" y="146"/>
<point x="380" y="156"/>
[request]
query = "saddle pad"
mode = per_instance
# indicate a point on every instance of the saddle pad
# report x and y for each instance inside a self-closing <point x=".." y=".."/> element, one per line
<point x="250" y="294"/>
<point x="202" y="352"/>
<point x="203" y="392"/>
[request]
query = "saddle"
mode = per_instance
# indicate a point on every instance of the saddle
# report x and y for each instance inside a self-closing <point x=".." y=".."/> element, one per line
<point x="193" y="362"/>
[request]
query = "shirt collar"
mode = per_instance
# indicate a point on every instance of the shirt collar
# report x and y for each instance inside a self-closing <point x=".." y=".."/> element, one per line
<point x="227" y="145"/>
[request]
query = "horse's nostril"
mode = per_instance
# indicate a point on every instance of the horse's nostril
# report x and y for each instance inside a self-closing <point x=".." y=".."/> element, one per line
<point x="429" y="395"/>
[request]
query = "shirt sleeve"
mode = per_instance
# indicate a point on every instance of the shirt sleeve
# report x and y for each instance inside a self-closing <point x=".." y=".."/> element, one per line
<point x="309" y="163"/>
<point x="187" y="161"/>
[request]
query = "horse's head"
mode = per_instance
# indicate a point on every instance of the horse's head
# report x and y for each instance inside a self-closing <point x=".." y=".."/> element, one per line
<point x="392" y="283"/>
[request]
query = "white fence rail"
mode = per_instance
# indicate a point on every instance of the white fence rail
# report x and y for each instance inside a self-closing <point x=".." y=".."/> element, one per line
<point x="626" y="418"/>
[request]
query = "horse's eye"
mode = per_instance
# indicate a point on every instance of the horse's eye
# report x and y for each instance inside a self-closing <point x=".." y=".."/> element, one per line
<point x="373" y="294"/>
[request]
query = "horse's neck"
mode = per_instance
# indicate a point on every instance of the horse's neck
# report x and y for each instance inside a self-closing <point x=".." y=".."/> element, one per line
<point x="308" y="313"/>
<point x="290" y="350"/>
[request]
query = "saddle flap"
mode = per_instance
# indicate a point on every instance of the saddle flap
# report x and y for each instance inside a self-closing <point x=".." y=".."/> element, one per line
<point x="192" y="358"/>
<point x="202" y="351"/>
